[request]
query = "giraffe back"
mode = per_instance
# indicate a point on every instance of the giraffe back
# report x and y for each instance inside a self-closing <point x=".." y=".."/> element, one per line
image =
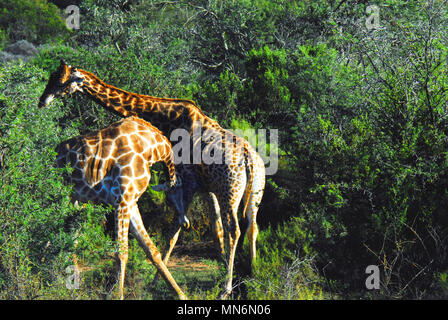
<point x="117" y="158"/>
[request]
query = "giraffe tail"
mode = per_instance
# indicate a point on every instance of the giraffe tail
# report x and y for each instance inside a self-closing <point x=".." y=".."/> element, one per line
<point x="250" y="174"/>
<point x="173" y="179"/>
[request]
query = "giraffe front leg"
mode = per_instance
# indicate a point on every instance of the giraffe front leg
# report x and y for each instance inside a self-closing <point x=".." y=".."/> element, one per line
<point x="122" y="231"/>
<point x="219" y="233"/>
<point x="151" y="251"/>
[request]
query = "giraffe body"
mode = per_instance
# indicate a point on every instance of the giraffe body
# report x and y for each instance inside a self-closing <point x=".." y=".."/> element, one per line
<point x="251" y="194"/>
<point x="241" y="167"/>
<point x="111" y="166"/>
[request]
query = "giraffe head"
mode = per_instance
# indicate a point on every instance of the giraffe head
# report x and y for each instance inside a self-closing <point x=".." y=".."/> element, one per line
<point x="175" y="198"/>
<point x="66" y="79"/>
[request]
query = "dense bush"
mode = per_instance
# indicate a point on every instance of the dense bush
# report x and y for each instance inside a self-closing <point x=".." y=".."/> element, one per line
<point x="34" y="20"/>
<point x="362" y="123"/>
<point x="34" y="203"/>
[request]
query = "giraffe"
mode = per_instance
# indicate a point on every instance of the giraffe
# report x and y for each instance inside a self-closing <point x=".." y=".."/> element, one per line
<point x="240" y="172"/>
<point x="111" y="166"/>
<point x="181" y="196"/>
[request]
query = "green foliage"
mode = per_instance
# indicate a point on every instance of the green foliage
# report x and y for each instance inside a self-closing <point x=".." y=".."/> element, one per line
<point x="443" y="282"/>
<point x="34" y="20"/>
<point x="357" y="130"/>
<point x="284" y="268"/>
<point x="3" y="39"/>
<point x="362" y="124"/>
<point x="33" y="201"/>
<point x="38" y="221"/>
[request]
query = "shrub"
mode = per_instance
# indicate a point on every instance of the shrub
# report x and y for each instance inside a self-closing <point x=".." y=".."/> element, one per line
<point x="34" y="20"/>
<point x="38" y="220"/>
<point x="285" y="268"/>
<point x="34" y="203"/>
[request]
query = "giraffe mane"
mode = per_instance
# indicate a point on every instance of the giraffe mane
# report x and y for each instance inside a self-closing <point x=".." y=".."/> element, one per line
<point x="143" y="96"/>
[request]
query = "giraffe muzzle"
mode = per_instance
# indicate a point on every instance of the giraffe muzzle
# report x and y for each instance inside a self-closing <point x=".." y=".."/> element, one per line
<point x="184" y="222"/>
<point x="45" y="100"/>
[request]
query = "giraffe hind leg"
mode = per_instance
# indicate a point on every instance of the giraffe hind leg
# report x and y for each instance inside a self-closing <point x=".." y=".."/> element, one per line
<point x="122" y="230"/>
<point x="252" y="228"/>
<point x="256" y="195"/>
<point x="229" y="205"/>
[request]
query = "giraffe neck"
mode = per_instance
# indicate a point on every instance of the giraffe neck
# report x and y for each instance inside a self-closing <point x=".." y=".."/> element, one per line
<point x="164" y="113"/>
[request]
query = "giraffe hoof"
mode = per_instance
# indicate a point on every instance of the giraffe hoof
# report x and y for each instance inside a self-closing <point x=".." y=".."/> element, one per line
<point x="183" y="297"/>
<point x="185" y="224"/>
<point x="225" y="294"/>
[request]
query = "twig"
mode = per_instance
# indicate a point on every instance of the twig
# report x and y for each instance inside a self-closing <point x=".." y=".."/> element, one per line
<point x="418" y="273"/>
